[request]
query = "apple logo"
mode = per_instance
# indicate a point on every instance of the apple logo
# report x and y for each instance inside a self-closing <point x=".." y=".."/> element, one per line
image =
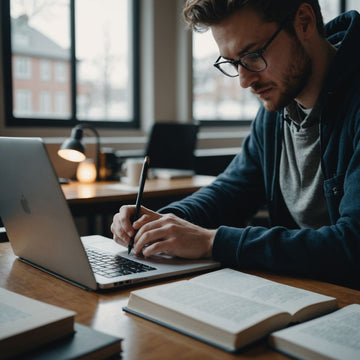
<point x="25" y="204"/>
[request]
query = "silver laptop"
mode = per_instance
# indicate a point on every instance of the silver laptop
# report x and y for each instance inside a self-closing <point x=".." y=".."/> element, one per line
<point x="42" y="231"/>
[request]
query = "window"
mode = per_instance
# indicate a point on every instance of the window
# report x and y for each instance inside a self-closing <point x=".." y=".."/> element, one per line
<point x="80" y="60"/>
<point x="45" y="70"/>
<point x="60" y="103"/>
<point x="60" y="72"/>
<point x="45" y="102"/>
<point x="22" y="105"/>
<point x="22" y="67"/>
<point x="218" y="100"/>
<point x="353" y="5"/>
<point x="330" y="9"/>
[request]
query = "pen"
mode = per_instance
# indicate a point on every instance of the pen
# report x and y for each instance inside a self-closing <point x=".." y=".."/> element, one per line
<point x="139" y="196"/>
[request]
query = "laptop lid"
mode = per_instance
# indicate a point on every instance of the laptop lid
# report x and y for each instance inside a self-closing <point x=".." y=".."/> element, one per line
<point x="42" y="231"/>
<point x="35" y="213"/>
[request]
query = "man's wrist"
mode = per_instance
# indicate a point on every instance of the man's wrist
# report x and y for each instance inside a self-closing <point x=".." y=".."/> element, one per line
<point x="211" y="237"/>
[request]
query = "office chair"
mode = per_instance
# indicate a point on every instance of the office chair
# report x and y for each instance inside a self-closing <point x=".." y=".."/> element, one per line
<point x="172" y="145"/>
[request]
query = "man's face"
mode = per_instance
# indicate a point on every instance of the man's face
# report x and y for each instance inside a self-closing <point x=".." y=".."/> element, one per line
<point x="289" y="66"/>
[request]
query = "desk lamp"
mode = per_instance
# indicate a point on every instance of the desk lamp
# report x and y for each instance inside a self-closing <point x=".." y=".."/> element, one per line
<point x="72" y="149"/>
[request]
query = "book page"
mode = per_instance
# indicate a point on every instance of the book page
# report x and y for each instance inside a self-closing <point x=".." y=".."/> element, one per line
<point x="227" y="311"/>
<point x="287" y="298"/>
<point x="336" y="335"/>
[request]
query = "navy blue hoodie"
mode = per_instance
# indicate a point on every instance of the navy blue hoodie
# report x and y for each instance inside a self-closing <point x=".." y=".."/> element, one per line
<point x="251" y="181"/>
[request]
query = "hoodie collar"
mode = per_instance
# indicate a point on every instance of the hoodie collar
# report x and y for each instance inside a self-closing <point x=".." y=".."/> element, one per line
<point x="344" y="33"/>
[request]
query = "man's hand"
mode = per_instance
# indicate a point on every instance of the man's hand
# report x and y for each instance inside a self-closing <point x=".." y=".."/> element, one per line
<point x="155" y="233"/>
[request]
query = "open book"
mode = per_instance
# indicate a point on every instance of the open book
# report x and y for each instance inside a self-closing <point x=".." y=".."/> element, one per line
<point x="227" y="308"/>
<point x="333" y="336"/>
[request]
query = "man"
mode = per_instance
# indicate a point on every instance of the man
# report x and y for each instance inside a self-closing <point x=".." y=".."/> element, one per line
<point x="301" y="159"/>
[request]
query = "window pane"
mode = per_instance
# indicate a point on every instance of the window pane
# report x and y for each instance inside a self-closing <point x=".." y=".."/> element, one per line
<point x="45" y="102"/>
<point x="22" y="67"/>
<point x="41" y="54"/>
<point x="215" y="96"/>
<point x="353" y="5"/>
<point x="45" y="70"/>
<point x="104" y="66"/>
<point x="22" y="102"/>
<point x="38" y="50"/>
<point x="329" y="9"/>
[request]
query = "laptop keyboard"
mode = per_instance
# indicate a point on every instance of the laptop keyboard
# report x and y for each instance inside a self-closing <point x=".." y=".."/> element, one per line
<point x="109" y="265"/>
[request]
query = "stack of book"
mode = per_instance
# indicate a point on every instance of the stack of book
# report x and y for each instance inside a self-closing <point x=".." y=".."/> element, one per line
<point x="35" y="330"/>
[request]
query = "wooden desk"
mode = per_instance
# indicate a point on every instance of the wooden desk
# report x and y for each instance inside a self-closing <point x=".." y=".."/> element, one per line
<point x="142" y="339"/>
<point x="105" y="198"/>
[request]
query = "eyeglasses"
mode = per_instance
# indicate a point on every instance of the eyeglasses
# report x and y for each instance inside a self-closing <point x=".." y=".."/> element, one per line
<point x="252" y="61"/>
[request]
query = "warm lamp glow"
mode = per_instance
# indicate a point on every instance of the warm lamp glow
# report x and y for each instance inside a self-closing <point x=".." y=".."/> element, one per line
<point x="86" y="191"/>
<point x="72" y="155"/>
<point x="72" y="149"/>
<point x="86" y="171"/>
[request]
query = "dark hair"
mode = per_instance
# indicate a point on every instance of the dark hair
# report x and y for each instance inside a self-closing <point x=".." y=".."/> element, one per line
<point x="200" y="14"/>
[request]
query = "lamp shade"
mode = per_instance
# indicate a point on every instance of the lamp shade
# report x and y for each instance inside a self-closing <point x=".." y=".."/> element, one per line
<point x="72" y="148"/>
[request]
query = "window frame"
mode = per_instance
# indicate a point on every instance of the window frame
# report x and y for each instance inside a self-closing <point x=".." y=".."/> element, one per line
<point x="12" y="121"/>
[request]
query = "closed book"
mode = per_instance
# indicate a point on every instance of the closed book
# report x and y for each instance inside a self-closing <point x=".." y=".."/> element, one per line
<point x="26" y="323"/>
<point x="85" y="344"/>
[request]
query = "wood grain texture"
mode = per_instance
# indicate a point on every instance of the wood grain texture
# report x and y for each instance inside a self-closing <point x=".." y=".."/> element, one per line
<point x="142" y="339"/>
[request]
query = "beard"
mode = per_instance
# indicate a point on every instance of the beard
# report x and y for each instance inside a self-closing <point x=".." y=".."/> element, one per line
<point x="295" y="78"/>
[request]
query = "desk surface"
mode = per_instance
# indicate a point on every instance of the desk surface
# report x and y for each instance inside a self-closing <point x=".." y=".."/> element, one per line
<point x="114" y="191"/>
<point x="105" y="198"/>
<point x="142" y="339"/>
